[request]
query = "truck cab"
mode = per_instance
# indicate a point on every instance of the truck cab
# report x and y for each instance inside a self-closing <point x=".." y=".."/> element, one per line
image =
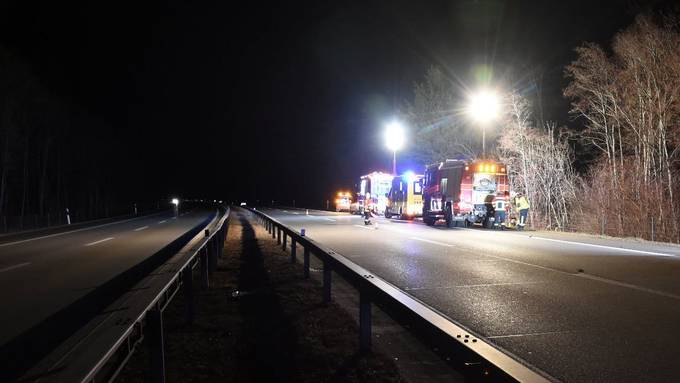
<point x="459" y="191"/>
<point x="343" y="201"/>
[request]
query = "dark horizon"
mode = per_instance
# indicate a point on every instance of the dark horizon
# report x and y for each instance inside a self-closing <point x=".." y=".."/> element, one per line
<point x="281" y="102"/>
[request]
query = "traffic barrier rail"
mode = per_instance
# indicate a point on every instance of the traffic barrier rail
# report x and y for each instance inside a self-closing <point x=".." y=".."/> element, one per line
<point x="496" y="365"/>
<point x="99" y="350"/>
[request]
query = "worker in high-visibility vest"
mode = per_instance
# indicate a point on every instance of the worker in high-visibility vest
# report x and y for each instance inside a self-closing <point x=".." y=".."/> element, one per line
<point x="501" y="210"/>
<point x="522" y="206"/>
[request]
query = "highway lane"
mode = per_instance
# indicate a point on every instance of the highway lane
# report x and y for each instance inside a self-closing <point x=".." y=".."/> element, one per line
<point x="39" y="276"/>
<point x="581" y="308"/>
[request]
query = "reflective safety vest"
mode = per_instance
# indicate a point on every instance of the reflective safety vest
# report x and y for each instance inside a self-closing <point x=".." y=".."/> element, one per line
<point x="500" y="203"/>
<point x="522" y="203"/>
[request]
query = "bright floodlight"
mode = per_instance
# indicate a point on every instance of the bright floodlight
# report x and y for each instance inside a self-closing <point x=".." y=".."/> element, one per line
<point x="175" y="201"/>
<point x="484" y="106"/>
<point x="394" y="136"/>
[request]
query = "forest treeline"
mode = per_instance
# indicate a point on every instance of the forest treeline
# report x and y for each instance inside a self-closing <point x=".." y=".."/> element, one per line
<point x="51" y="157"/>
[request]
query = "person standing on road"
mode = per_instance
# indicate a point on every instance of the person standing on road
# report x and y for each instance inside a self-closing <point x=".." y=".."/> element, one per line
<point x="502" y="206"/>
<point x="490" y="211"/>
<point x="522" y="206"/>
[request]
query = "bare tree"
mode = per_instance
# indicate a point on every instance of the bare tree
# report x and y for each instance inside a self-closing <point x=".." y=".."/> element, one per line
<point x="630" y="103"/>
<point x="439" y="134"/>
<point x="539" y="161"/>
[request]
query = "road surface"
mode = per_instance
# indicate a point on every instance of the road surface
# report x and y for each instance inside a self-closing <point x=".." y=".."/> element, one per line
<point x="578" y="307"/>
<point x="41" y="275"/>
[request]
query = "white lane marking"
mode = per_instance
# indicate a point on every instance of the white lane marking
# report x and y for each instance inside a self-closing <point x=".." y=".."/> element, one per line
<point x="141" y="228"/>
<point x="432" y="242"/>
<point x="15" y="267"/>
<point x="329" y="219"/>
<point x="296" y="213"/>
<point x="628" y="285"/>
<point x="285" y="211"/>
<point x="364" y="227"/>
<point x="163" y="221"/>
<point x="605" y="247"/>
<point x="100" y="241"/>
<point x="68" y="232"/>
<point x="532" y="334"/>
<point x="581" y="275"/>
<point x="476" y="285"/>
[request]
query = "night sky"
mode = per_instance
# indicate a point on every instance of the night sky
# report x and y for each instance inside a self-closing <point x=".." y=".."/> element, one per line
<point x="282" y="101"/>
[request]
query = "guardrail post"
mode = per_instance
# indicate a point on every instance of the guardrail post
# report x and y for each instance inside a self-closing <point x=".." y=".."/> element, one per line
<point x="203" y="260"/>
<point x="225" y="231"/>
<point x="364" y="321"/>
<point x="189" y="302"/>
<point x="155" y="331"/>
<point x="285" y="241"/>
<point x="273" y="231"/>
<point x="305" y="257"/>
<point x="293" y="250"/>
<point x="220" y="242"/>
<point x="326" y="281"/>
<point x="212" y="255"/>
<point x="278" y="235"/>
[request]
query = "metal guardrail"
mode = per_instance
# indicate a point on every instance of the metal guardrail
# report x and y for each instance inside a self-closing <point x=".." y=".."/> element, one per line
<point x="496" y="365"/>
<point x="99" y="350"/>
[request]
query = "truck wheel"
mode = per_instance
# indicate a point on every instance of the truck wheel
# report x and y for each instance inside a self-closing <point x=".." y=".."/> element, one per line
<point x="428" y="220"/>
<point x="449" y="218"/>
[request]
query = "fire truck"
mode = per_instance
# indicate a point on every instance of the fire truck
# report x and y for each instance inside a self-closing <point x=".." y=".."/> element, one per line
<point x="459" y="192"/>
<point x="405" y="199"/>
<point x="372" y="193"/>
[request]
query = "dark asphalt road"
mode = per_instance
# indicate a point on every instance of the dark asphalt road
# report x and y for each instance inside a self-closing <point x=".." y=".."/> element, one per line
<point x="616" y="321"/>
<point x="42" y="275"/>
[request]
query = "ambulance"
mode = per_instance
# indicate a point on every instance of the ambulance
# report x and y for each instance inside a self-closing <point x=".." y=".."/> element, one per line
<point x="405" y="199"/>
<point x="372" y="193"/>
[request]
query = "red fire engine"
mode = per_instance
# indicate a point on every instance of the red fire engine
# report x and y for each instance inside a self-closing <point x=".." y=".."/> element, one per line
<point x="459" y="192"/>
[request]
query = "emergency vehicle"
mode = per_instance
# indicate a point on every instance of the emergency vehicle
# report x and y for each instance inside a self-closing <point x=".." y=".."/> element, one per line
<point x="459" y="192"/>
<point x="372" y="193"/>
<point x="343" y="201"/>
<point x="405" y="199"/>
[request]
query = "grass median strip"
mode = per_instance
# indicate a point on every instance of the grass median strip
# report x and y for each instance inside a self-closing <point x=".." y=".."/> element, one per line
<point x="261" y="321"/>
